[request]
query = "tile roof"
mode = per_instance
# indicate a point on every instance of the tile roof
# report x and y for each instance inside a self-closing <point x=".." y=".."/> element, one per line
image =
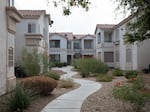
<point x="126" y="20"/>
<point x="32" y="13"/>
<point x="105" y="26"/>
<point x="81" y="36"/>
<point x="113" y="26"/>
<point x="70" y="35"/>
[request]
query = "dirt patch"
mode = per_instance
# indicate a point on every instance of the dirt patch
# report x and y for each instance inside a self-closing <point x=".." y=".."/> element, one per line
<point x="41" y="102"/>
<point x="60" y="72"/>
<point x="103" y="101"/>
<point x="38" y="104"/>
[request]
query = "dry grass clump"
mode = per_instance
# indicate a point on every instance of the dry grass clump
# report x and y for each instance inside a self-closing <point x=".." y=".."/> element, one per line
<point x="66" y="83"/>
<point x="40" y="84"/>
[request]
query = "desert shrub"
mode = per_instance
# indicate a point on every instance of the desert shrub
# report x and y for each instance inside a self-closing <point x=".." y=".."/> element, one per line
<point x="132" y="93"/>
<point x="42" y="85"/>
<point x="30" y="63"/>
<point x="53" y="75"/>
<point x="104" y="78"/>
<point x="117" y="72"/>
<point x="19" y="99"/>
<point x="137" y="83"/>
<point x="131" y="74"/>
<point x="87" y="66"/>
<point x="51" y="64"/>
<point x="64" y="64"/>
<point x="128" y="93"/>
<point x="59" y="64"/>
<point x="75" y="63"/>
<point x="34" y="63"/>
<point x="66" y="83"/>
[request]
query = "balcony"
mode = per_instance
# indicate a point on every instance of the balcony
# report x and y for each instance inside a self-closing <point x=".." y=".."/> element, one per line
<point x="13" y="17"/>
<point x="107" y="45"/>
<point x="88" y="51"/>
<point x="73" y="51"/>
<point x="33" y="39"/>
<point x="57" y="50"/>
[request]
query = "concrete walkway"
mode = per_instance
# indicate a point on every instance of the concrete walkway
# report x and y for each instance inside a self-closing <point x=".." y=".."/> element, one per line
<point x="72" y="101"/>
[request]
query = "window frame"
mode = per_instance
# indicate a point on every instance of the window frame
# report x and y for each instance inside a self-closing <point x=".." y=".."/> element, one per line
<point x="10" y="57"/>
<point x="31" y="28"/>
<point x="109" y="60"/>
<point x="53" y="43"/>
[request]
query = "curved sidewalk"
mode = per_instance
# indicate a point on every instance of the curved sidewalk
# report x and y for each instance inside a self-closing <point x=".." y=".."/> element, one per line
<point x="72" y="101"/>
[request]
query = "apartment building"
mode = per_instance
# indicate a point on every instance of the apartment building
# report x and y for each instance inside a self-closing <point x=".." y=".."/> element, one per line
<point x="104" y="43"/>
<point x="65" y="47"/>
<point x="32" y="32"/>
<point x="129" y="56"/>
<point x="9" y="16"/>
<point x="111" y="48"/>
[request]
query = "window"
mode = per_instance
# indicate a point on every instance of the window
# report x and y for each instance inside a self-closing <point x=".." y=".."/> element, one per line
<point x="54" y="43"/>
<point x="10" y="57"/>
<point x="69" y="45"/>
<point x="117" y="56"/>
<point x="87" y="44"/>
<point x="108" y="37"/>
<point x="76" y="45"/>
<point x="108" y="56"/>
<point x="99" y="37"/>
<point x="55" y="57"/>
<point x="31" y="28"/>
<point x="128" y="55"/>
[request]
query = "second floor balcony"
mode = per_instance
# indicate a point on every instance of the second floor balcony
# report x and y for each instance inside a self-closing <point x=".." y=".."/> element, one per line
<point x="34" y="40"/>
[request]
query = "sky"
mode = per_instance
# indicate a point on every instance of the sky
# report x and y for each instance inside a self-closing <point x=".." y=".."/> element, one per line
<point x="80" y="21"/>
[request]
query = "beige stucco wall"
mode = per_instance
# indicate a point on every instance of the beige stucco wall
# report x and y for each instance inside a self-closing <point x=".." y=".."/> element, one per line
<point x="144" y="55"/>
<point x="3" y="35"/>
<point x="11" y="79"/>
<point x="23" y="43"/>
<point x="11" y="24"/>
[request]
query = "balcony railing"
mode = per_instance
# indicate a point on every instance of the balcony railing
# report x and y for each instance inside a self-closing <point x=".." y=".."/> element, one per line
<point x="88" y="51"/>
<point x="57" y="49"/>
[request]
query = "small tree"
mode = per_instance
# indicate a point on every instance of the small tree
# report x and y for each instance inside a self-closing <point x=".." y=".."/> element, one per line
<point x="30" y="62"/>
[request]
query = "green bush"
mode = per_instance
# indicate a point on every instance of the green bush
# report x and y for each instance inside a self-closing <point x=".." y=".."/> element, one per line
<point x="132" y="92"/>
<point x="66" y="83"/>
<point x="104" y="78"/>
<point x="53" y="75"/>
<point x="117" y="72"/>
<point x="32" y="62"/>
<point x="19" y="99"/>
<point x="88" y="66"/>
<point x="138" y="83"/>
<point x="128" y="93"/>
<point x="59" y="64"/>
<point x="75" y="63"/>
<point x="64" y="64"/>
<point x="42" y="85"/>
<point x="51" y="64"/>
<point x="131" y="74"/>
